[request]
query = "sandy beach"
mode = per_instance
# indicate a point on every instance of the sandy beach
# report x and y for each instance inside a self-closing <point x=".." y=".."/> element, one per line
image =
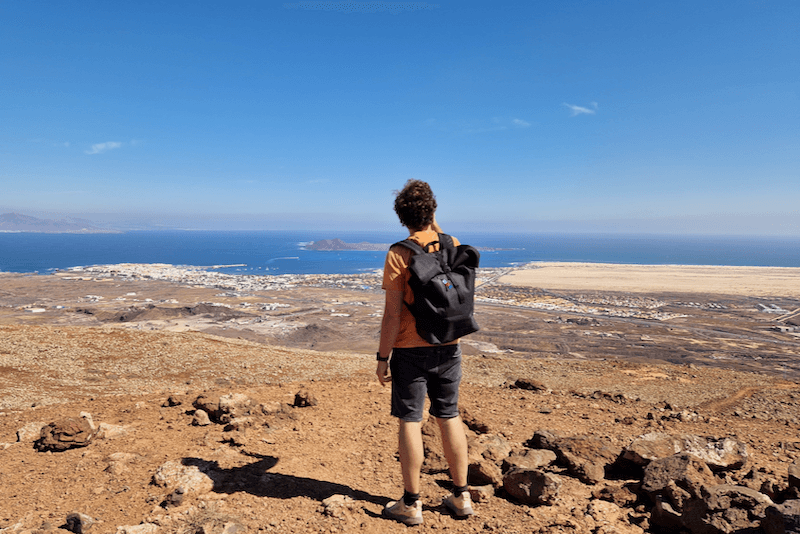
<point x="726" y="280"/>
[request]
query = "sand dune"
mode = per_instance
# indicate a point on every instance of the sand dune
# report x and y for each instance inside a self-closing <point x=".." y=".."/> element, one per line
<point x="743" y="281"/>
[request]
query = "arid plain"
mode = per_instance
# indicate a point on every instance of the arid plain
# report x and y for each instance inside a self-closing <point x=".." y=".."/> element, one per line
<point x="135" y="345"/>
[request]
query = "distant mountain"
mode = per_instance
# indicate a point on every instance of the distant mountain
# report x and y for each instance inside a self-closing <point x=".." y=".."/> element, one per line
<point x="16" y="222"/>
<point x="338" y="244"/>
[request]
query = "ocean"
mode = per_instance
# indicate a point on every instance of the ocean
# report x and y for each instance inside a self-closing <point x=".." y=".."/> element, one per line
<point x="283" y="252"/>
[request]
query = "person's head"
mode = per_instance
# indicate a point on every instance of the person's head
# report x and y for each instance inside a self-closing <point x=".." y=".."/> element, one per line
<point x="415" y="205"/>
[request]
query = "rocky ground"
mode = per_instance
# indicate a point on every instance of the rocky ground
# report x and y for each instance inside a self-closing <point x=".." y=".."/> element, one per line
<point x="559" y="390"/>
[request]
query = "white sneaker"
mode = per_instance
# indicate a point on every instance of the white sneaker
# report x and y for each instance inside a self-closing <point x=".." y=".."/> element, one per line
<point x="410" y="515"/>
<point x="461" y="505"/>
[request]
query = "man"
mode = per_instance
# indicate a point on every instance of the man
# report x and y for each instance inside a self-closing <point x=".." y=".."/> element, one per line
<point x="418" y="368"/>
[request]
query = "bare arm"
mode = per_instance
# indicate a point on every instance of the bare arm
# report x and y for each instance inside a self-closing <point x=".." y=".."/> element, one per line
<point x="390" y="328"/>
<point x="435" y="226"/>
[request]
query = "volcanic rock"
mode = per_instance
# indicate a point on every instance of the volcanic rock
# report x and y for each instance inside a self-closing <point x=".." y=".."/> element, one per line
<point x="532" y="486"/>
<point x="586" y="457"/>
<point x="684" y="470"/>
<point x="725" y="508"/>
<point x="193" y="478"/>
<point x="718" y="454"/>
<point x="79" y="523"/>
<point x="30" y="432"/>
<point x="65" y="434"/>
<point x="200" y="418"/>
<point x="529" y="459"/>
<point x="482" y="472"/>
<point x="794" y="474"/>
<point x="782" y="518"/>
<point x="304" y="399"/>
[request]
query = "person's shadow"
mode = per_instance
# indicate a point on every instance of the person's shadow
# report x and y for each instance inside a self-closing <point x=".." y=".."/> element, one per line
<point x="255" y="478"/>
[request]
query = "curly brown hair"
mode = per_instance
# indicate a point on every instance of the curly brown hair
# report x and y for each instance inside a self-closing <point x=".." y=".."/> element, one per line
<point x="415" y="205"/>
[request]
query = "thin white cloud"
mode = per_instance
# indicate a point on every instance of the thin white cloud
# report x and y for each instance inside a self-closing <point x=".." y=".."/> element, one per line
<point x="496" y="124"/>
<point x="580" y="110"/>
<point x="99" y="148"/>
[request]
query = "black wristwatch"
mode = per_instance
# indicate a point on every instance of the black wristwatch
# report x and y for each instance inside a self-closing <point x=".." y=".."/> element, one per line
<point x="386" y="359"/>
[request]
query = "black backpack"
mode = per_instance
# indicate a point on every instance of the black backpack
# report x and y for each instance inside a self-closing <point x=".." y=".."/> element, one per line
<point x="443" y="282"/>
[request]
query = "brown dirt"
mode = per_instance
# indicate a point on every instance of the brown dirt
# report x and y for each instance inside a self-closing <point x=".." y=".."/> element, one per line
<point x="272" y="478"/>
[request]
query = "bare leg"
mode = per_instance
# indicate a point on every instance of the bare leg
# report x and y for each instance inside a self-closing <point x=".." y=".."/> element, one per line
<point x="411" y="454"/>
<point x="454" y="442"/>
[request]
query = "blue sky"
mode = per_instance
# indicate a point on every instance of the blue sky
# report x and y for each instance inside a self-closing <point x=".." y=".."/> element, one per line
<point x="680" y="116"/>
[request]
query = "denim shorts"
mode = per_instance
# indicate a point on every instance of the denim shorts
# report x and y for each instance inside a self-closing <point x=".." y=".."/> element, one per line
<point x="420" y="370"/>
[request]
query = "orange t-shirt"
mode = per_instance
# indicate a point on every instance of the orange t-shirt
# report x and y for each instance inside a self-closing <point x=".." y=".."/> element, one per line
<point x="395" y="277"/>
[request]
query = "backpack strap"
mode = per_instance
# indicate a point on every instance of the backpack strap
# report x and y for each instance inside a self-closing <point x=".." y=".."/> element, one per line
<point x="445" y="241"/>
<point x="410" y="244"/>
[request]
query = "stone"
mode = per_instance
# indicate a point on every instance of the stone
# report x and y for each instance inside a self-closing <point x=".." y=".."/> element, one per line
<point x="304" y="399"/>
<point x="209" y="406"/>
<point x="239" y="424"/>
<point x="193" y="478"/>
<point x="88" y="417"/>
<point x="529" y="384"/>
<point x="718" y="454"/>
<point x="532" y="486"/>
<point x="765" y="482"/>
<point x="586" y="457"/>
<point x="491" y="446"/>
<point x="338" y="506"/>
<point x="652" y="446"/>
<point x="782" y="518"/>
<point x="529" y="459"/>
<point x="233" y="528"/>
<point x="676" y="495"/>
<point x="118" y="462"/>
<point x="665" y="517"/>
<point x="542" y="439"/>
<point x="200" y="418"/>
<point x="478" y="426"/>
<point x="172" y="401"/>
<point x="725" y="508"/>
<point x="144" y="528"/>
<point x="109" y="431"/>
<point x="79" y="523"/>
<point x="794" y="474"/>
<point x="621" y="496"/>
<point x="30" y="432"/>
<point x="481" y="493"/>
<point x="234" y="405"/>
<point x="64" y="434"/>
<point x="685" y="470"/>
<point x="175" y="498"/>
<point x="482" y="471"/>
<point x="776" y="489"/>
<point x="604" y="514"/>
<point x="271" y="408"/>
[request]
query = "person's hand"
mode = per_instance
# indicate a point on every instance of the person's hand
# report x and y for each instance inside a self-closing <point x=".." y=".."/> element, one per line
<point x="384" y="375"/>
